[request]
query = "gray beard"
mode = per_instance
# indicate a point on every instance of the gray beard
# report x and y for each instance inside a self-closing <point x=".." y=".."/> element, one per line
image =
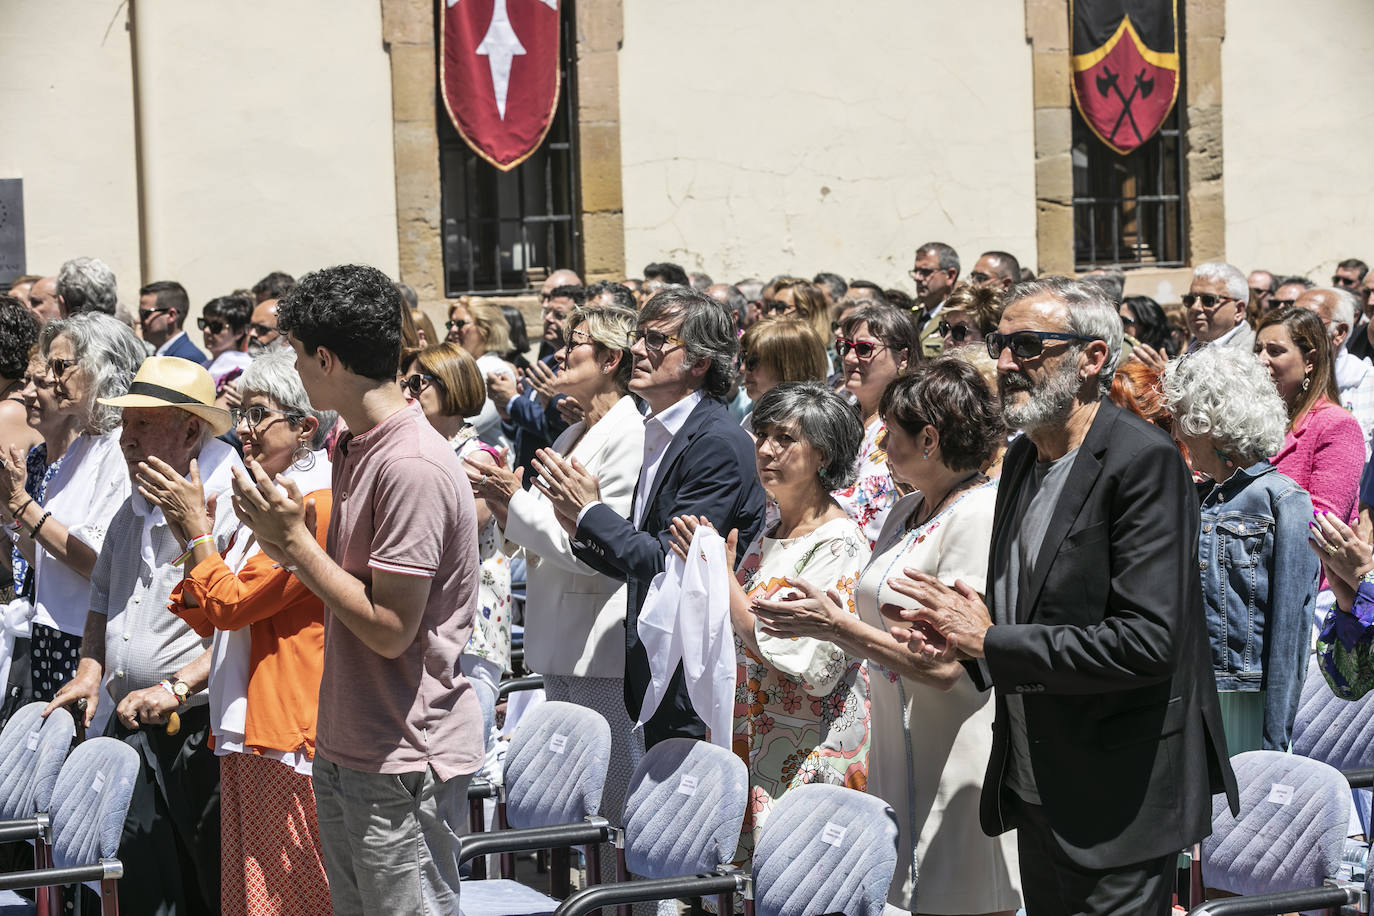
<point x="1047" y="406"/>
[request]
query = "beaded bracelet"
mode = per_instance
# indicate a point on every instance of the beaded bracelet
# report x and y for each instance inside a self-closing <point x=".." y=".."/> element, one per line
<point x="34" y="532"/>
<point x="191" y="547"/>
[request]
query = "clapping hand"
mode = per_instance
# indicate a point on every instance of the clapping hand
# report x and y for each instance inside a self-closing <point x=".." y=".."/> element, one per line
<point x="13" y="476"/>
<point x="950" y="622"/>
<point x="570" y="410"/>
<point x="275" y="517"/>
<point x="541" y="378"/>
<point x="1346" y="556"/>
<point x="568" y="485"/>
<point x="805" y="612"/>
<point x="1150" y="357"/>
<point x="684" y="527"/>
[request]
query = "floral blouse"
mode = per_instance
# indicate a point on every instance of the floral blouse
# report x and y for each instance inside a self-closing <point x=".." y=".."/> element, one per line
<point x="873" y="494"/>
<point x="1343" y="648"/>
<point x="491" y="630"/>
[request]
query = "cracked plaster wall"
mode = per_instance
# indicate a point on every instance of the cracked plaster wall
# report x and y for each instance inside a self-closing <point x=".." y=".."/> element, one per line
<point x="1298" y="130"/>
<point x="776" y="135"/>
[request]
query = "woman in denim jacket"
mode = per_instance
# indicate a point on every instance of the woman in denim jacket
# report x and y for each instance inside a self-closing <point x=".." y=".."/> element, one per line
<point x="1259" y="579"/>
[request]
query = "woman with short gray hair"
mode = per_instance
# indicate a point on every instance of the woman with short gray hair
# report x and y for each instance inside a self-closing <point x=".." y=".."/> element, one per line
<point x="806" y="718"/>
<point x="1259" y="580"/>
<point x="58" y="498"/>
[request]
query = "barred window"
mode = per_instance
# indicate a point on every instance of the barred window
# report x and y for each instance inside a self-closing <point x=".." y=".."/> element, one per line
<point x="504" y="232"/>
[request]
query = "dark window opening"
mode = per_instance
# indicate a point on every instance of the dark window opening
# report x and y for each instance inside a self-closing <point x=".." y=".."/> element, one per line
<point x="504" y="232"/>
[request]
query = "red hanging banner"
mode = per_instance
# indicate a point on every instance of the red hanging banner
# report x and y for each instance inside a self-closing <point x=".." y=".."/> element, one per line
<point x="1125" y="67"/>
<point x="498" y="70"/>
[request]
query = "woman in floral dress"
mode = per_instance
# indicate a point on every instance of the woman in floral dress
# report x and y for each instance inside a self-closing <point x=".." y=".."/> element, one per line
<point x="876" y="343"/>
<point x="801" y="705"/>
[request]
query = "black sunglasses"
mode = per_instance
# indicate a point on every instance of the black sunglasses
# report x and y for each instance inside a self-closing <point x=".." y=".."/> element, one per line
<point x="1027" y="344"/>
<point x="58" y="368"/>
<point x="456" y="325"/>
<point x="955" y="332"/>
<point x="145" y="314"/>
<point x="1347" y="282"/>
<point x="863" y="349"/>
<point x="1280" y="303"/>
<point x="773" y="307"/>
<point x="1208" y="300"/>
<point x="655" y="340"/>
<point x="213" y="325"/>
<point x="417" y="383"/>
<point x="749" y="362"/>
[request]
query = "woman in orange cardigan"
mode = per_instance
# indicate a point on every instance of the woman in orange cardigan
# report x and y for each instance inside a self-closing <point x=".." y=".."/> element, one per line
<point x="267" y="653"/>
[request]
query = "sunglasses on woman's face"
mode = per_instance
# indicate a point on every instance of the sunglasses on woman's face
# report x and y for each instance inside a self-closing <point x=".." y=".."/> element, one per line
<point x="1026" y="344"/>
<point x="456" y="324"/>
<point x="863" y="349"/>
<point x="955" y="332"/>
<point x="213" y="325"/>
<point x="416" y="383"/>
<point x="749" y="362"/>
<point x="58" y="368"/>
<point x="773" y="307"/>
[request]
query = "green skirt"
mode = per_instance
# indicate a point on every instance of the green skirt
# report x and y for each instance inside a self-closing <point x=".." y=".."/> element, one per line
<point x="1242" y="717"/>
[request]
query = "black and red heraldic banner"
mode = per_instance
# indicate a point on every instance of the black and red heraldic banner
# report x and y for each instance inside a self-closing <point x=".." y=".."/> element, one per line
<point x="1125" y="67"/>
<point x="498" y="70"/>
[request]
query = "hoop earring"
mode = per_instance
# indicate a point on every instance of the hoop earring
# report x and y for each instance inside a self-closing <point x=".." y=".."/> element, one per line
<point x="302" y="459"/>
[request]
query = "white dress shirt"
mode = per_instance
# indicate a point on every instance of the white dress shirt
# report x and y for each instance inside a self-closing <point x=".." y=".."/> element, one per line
<point x="659" y="430"/>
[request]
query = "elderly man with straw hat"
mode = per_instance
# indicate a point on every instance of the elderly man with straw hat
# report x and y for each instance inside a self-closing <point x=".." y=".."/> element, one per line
<point x="153" y="667"/>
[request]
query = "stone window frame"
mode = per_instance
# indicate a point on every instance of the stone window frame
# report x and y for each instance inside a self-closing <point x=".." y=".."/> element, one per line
<point x="1047" y="32"/>
<point x="408" y="36"/>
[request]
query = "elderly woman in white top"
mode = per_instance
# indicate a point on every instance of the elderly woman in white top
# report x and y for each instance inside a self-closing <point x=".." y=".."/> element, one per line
<point x="481" y="329"/>
<point x="58" y="500"/>
<point x="574" y="616"/>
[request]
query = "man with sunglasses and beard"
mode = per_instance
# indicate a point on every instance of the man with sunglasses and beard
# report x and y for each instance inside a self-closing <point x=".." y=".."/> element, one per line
<point x="1216" y="303"/>
<point x="698" y="462"/>
<point x="1108" y="744"/>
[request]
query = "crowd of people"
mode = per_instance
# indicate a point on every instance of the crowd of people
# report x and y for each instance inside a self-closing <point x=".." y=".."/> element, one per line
<point x="1029" y="559"/>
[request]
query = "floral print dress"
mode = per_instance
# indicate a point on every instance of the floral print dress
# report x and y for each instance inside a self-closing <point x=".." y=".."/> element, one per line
<point x="801" y="710"/>
<point x="491" y="630"/>
<point x="874" y="493"/>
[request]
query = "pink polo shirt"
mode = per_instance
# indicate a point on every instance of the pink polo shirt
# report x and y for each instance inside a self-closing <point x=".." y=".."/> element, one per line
<point x="402" y="504"/>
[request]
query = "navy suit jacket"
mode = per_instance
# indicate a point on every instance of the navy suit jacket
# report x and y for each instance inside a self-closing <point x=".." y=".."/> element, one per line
<point x="183" y="348"/>
<point x="535" y="427"/>
<point x="707" y="470"/>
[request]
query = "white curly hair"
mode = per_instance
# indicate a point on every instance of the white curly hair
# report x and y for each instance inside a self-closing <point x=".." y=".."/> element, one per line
<point x="1225" y="393"/>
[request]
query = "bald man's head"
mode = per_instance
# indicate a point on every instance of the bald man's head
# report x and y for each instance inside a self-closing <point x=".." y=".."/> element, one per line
<point x="559" y="278"/>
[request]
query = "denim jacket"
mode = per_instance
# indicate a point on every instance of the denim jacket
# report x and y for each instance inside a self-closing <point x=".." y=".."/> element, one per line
<point x="1259" y="586"/>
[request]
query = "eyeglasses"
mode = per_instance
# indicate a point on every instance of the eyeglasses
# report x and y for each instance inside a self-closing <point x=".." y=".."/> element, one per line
<point x="654" y="340"/>
<point x="773" y="307"/>
<point x="1280" y="303"/>
<point x="1347" y="282"/>
<point x="749" y="362"/>
<point x="255" y="415"/>
<point x="576" y="338"/>
<point x="979" y="277"/>
<point x="58" y="368"/>
<point x="1207" y="300"/>
<point x="262" y="330"/>
<point x="416" y="383"/>
<point x="1027" y="344"/>
<point x="863" y="349"/>
<point x="955" y="332"/>
<point x="921" y="273"/>
<point x="456" y="325"/>
<point x="213" y="325"/>
<point x="146" y="314"/>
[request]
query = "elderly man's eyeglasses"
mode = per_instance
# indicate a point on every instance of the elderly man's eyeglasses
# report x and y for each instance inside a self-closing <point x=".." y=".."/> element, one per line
<point x="1207" y="300"/>
<point x="416" y="383"/>
<point x="148" y="314"/>
<point x="255" y="415"/>
<point x="58" y="368"/>
<point x="1027" y="344"/>
<point x="654" y="341"/>
<point x="955" y="332"/>
<point x="576" y="338"/>
<point x="863" y="349"/>
<point x="213" y="325"/>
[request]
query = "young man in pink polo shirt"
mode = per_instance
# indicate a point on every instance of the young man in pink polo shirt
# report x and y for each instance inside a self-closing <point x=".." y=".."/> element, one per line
<point x="400" y="730"/>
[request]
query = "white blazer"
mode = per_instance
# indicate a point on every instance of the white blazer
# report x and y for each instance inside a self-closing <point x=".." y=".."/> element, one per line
<point x="574" y="615"/>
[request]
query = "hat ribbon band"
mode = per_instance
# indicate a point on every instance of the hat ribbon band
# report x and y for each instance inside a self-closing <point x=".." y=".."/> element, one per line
<point x="166" y="394"/>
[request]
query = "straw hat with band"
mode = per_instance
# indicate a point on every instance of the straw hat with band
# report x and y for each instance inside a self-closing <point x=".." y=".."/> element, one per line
<point x="170" y="381"/>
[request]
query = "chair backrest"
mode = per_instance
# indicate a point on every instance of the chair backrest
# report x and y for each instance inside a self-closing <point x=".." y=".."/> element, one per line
<point x="825" y="849"/>
<point x="556" y="766"/>
<point x="1332" y="730"/>
<point x="91" y="801"/>
<point x="32" y="750"/>
<point x="684" y="809"/>
<point x="1294" y="814"/>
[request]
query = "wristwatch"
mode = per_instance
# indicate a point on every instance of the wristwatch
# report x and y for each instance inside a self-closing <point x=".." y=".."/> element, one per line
<point x="179" y="689"/>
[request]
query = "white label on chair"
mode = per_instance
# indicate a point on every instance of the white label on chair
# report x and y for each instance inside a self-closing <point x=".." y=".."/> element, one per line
<point x="99" y="782"/>
<point x="1281" y="794"/>
<point x="688" y="785"/>
<point x="33" y="741"/>
<point x="833" y="833"/>
<point x="558" y="743"/>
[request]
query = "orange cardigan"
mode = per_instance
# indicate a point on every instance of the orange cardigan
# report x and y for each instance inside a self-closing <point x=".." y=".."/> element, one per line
<point x="286" y="630"/>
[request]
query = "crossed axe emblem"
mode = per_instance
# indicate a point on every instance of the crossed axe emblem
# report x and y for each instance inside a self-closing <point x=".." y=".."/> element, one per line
<point x="1108" y="82"/>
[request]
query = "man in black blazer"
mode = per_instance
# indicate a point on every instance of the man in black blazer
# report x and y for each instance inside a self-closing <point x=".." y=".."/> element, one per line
<point x="697" y="461"/>
<point x="1108" y="744"/>
<point x="162" y="308"/>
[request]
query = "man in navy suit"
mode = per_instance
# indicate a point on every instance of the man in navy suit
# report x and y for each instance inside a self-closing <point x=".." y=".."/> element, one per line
<point x="162" y="308"/>
<point x="697" y="461"/>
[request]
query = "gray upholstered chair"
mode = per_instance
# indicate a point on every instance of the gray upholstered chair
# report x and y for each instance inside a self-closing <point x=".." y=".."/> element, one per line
<point x="90" y="801"/>
<point x="32" y="750"/>
<point x="1338" y="732"/>
<point x="553" y="777"/>
<point x="825" y="849"/>
<point x="1288" y="841"/>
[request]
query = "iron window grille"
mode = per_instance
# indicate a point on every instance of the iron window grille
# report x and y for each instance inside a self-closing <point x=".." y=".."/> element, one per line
<point x="504" y="232"/>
